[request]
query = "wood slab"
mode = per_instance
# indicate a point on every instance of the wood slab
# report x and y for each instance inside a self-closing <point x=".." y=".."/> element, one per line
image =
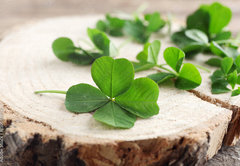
<point x="224" y="100"/>
<point x="39" y="130"/>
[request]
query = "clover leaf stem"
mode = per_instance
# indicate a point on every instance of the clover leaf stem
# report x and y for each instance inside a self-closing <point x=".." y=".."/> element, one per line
<point x="202" y="68"/>
<point x="51" y="91"/>
<point x="166" y="69"/>
<point x="228" y="41"/>
<point x="79" y="48"/>
<point x="124" y="43"/>
<point x="86" y="42"/>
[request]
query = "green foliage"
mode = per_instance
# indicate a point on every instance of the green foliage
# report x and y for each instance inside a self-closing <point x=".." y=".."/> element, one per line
<point x="214" y="62"/>
<point x="189" y="77"/>
<point x="174" y="57"/>
<point x="113" y="77"/>
<point x="155" y="22"/>
<point x="84" y="98"/>
<point x="199" y="20"/>
<point x="102" y="42"/>
<point x="141" y="66"/>
<point x="197" y="36"/>
<point x="160" y="77"/>
<point x="148" y="57"/>
<point x="205" y="32"/>
<point x="236" y="92"/>
<point x="216" y="11"/>
<point x="114" y="115"/>
<point x="224" y="35"/>
<point x="65" y="50"/>
<point x="150" y="52"/>
<point x="206" y="18"/>
<point x="111" y="25"/>
<point x="138" y="28"/>
<point x="140" y="99"/>
<point x="188" y="45"/>
<point x="228" y="75"/>
<point x="119" y="99"/>
<point x="186" y="76"/>
<point x="226" y="65"/>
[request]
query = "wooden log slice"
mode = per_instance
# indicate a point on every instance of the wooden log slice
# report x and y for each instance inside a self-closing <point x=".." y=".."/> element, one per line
<point x="224" y="100"/>
<point x="40" y="131"/>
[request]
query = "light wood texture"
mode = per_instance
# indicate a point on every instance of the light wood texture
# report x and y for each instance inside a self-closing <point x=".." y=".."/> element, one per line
<point x="187" y="130"/>
<point x="225" y="99"/>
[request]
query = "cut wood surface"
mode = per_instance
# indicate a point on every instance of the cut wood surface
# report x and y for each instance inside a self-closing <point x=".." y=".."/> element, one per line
<point x="224" y="100"/>
<point x="39" y="129"/>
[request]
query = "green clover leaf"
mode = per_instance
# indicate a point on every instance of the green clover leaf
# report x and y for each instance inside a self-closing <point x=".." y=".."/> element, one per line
<point x="174" y="57"/>
<point x="65" y="50"/>
<point x="114" y="115"/>
<point x="161" y="77"/>
<point x="113" y="77"/>
<point x="189" y="77"/>
<point x="102" y="42"/>
<point x="84" y="98"/>
<point x="119" y="98"/>
<point x="226" y="65"/>
<point x="141" y="98"/>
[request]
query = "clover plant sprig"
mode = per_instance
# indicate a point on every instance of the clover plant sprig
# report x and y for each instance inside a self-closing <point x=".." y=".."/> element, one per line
<point x="65" y="50"/>
<point x="186" y="76"/>
<point x="119" y="99"/>
<point x="204" y="32"/>
<point x="139" y="28"/>
<point x="229" y="74"/>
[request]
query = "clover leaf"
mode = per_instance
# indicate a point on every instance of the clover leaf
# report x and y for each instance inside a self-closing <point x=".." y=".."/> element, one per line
<point x="220" y="87"/>
<point x="236" y="92"/>
<point x="199" y="20"/>
<point x="216" y="11"/>
<point x="102" y="42"/>
<point x="232" y="78"/>
<point x="111" y="25"/>
<point x="148" y="57"/>
<point x="65" y="50"/>
<point x="84" y="98"/>
<point x="140" y="102"/>
<point x="228" y="75"/>
<point x="188" y="45"/>
<point x="113" y="77"/>
<point x="214" y="62"/>
<point x="206" y="18"/>
<point x="119" y="99"/>
<point x="197" y="36"/>
<point x="205" y="32"/>
<point x="155" y="22"/>
<point x="226" y="65"/>
<point x="114" y="115"/>
<point x="150" y="52"/>
<point x="186" y="76"/>
<point x="161" y="77"/>
<point x="174" y="57"/>
<point x="138" y="28"/>
<point x="189" y="77"/>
